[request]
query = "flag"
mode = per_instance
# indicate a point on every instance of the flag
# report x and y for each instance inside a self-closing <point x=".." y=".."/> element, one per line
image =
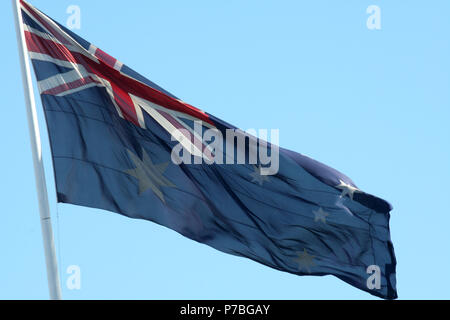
<point x="121" y="143"/>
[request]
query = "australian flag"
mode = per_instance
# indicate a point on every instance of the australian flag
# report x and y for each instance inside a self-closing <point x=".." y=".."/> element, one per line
<point x="113" y="134"/>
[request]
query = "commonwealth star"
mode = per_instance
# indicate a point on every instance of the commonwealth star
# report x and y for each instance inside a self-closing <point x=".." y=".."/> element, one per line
<point x="149" y="175"/>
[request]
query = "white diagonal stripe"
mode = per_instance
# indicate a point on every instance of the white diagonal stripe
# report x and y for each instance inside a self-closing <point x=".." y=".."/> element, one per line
<point x="178" y="114"/>
<point x="118" y="65"/>
<point x="149" y="107"/>
<point x="85" y="86"/>
<point x="72" y="46"/>
<point x="43" y="35"/>
<point x="62" y="78"/>
<point x="46" y="57"/>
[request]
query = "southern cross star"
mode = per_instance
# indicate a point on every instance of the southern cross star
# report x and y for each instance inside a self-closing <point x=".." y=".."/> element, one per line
<point x="258" y="177"/>
<point x="305" y="261"/>
<point x="347" y="189"/>
<point x="149" y="175"/>
<point x="320" y="215"/>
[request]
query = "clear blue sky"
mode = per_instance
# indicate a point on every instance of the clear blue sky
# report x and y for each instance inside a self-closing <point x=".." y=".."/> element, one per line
<point x="374" y="104"/>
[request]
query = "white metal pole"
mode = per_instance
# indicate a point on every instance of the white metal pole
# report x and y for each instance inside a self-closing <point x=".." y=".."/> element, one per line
<point x="44" y="209"/>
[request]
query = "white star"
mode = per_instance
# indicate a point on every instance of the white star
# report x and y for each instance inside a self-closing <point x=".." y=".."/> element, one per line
<point x="320" y="215"/>
<point x="347" y="189"/>
<point x="305" y="261"/>
<point x="257" y="176"/>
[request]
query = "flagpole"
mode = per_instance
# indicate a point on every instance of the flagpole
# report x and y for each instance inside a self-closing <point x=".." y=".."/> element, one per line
<point x="44" y="209"/>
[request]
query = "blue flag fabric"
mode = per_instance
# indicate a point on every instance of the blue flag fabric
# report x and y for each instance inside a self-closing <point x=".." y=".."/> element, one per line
<point x="111" y="134"/>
